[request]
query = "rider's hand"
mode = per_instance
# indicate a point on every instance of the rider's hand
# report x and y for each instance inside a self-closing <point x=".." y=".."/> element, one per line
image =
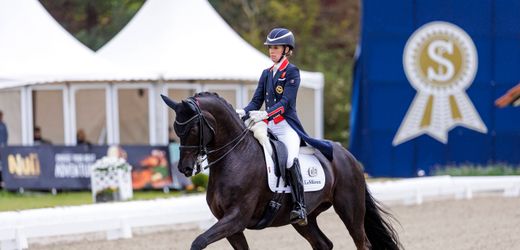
<point x="245" y="116"/>
<point x="241" y="113"/>
<point x="258" y="116"/>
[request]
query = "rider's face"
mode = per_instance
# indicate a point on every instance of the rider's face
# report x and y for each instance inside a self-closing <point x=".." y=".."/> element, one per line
<point x="275" y="52"/>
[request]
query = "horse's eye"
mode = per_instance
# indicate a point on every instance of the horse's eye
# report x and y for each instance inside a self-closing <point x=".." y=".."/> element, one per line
<point x="194" y="130"/>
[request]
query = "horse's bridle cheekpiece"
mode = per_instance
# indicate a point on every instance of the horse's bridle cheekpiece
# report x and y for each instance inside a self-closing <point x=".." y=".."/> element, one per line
<point x="203" y="150"/>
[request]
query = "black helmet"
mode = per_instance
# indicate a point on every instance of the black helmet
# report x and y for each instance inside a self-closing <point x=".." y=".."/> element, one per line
<point x="280" y="36"/>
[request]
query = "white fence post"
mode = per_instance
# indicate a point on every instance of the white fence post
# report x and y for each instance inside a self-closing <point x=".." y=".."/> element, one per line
<point x="513" y="190"/>
<point x="123" y="232"/>
<point x="18" y="242"/>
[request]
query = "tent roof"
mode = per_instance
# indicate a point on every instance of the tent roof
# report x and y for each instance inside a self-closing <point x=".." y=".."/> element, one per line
<point x="34" y="48"/>
<point x="186" y="40"/>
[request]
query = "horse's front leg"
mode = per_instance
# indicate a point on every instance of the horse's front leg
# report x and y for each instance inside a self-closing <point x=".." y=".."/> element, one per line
<point x="238" y="241"/>
<point x="231" y="224"/>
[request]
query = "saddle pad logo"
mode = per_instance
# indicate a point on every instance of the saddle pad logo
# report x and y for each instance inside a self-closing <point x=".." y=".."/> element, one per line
<point x="279" y="89"/>
<point x="313" y="171"/>
<point x="440" y="62"/>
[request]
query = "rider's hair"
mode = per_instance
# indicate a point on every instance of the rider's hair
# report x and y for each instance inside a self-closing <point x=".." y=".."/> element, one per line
<point x="289" y="54"/>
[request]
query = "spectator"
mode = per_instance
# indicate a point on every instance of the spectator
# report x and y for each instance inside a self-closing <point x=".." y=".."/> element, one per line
<point x="3" y="131"/>
<point x="81" y="138"/>
<point x="37" y="137"/>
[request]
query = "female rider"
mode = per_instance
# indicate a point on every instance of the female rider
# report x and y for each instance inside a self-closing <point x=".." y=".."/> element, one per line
<point x="278" y="87"/>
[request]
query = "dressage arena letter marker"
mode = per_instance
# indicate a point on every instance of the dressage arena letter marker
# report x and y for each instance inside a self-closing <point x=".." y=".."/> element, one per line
<point x="440" y="62"/>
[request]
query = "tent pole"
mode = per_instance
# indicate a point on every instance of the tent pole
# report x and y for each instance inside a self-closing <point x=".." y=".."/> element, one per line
<point x="318" y="112"/>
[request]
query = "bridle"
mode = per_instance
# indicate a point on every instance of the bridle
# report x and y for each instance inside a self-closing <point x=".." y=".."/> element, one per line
<point x="202" y="149"/>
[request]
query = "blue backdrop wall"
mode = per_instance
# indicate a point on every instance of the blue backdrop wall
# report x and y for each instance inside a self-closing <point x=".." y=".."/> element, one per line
<point x="382" y="92"/>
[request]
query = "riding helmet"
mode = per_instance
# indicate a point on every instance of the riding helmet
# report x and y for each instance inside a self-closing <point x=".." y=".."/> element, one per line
<point x="280" y="36"/>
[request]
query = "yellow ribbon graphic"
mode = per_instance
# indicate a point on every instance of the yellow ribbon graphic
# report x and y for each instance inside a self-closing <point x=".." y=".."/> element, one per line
<point x="440" y="62"/>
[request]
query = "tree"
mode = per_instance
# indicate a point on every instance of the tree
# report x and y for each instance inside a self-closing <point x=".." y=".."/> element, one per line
<point x="93" y="22"/>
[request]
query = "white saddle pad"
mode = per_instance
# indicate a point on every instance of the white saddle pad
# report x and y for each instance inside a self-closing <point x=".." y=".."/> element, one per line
<point x="312" y="172"/>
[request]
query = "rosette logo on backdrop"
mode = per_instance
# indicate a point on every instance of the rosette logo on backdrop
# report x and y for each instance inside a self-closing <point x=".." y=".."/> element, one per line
<point x="440" y="62"/>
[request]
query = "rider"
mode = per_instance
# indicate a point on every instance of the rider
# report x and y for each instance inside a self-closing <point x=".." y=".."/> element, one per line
<point x="278" y="87"/>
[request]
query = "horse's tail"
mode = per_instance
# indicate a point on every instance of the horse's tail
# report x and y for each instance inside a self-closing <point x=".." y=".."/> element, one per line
<point x="379" y="231"/>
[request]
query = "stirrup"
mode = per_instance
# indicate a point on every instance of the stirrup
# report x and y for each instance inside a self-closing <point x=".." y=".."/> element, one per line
<point x="299" y="216"/>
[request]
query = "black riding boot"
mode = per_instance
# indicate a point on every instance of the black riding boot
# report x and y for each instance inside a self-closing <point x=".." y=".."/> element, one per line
<point x="298" y="214"/>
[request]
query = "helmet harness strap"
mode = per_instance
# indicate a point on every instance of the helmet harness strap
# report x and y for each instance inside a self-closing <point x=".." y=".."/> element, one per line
<point x="283" y="54"/>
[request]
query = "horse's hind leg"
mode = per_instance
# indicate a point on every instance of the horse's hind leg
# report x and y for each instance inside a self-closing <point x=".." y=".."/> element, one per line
<point x="238" y="241"/>
<point x="313" y="234"/>
<point x="349" y="204"/>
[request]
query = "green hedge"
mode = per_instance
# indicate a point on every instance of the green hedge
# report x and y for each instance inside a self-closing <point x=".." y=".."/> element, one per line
<point x="200" y="181"/>
<point x="477" y="170"/>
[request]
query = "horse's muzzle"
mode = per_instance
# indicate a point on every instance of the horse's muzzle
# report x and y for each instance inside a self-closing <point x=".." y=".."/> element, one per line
<point x="188" y="172"/>
<point x="186" y="166"/>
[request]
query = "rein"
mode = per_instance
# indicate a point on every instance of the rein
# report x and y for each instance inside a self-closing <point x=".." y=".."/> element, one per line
<point x="203" y="151"/>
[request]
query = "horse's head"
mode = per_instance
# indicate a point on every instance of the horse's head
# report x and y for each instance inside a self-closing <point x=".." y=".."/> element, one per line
<point x="195" y="128"/>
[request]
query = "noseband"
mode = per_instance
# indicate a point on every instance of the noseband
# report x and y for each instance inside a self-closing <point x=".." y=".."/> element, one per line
<point x="203" y="149"/>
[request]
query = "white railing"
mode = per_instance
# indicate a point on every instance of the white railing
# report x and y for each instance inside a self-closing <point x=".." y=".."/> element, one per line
<point x="118" y="219"/>
<point x="415" y="190"/>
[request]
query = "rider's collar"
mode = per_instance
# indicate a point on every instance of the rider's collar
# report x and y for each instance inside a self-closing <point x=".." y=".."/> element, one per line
<point x="281" y="65"/>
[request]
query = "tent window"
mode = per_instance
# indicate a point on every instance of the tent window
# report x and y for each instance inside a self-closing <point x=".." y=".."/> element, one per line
<point x="250" y="93"/>
<point x="11" y="108"/>
<point x="91" y="114"/>
<point x="48" y="114"/>
<point x="306" y="110"/>
<point x="134" y="124"/>
<point x="229" y="94"/>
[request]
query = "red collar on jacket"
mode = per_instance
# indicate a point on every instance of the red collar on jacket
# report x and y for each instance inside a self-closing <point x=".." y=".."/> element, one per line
<point x="283" y="65"/>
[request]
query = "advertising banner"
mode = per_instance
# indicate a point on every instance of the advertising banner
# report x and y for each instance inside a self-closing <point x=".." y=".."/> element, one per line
<point x="47" y="167"/>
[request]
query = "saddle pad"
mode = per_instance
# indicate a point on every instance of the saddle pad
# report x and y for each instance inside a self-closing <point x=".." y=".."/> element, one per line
<point x="312" y="173"/>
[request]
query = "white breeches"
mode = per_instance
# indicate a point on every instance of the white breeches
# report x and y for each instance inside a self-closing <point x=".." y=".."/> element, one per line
<point x="289" y="137"/>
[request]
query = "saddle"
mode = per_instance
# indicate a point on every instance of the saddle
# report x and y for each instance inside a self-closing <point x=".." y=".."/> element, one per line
<point x="279" y="155"/>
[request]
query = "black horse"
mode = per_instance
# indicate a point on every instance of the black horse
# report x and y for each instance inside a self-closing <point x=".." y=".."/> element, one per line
<point x="238" y="192"/>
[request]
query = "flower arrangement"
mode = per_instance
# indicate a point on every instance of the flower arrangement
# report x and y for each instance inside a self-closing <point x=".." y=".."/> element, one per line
<point x="111" y="180"/>
<point x="107" y="164"/>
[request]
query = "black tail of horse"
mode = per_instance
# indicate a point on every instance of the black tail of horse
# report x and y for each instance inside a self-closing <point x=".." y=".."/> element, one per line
<point x="380" y="232"/>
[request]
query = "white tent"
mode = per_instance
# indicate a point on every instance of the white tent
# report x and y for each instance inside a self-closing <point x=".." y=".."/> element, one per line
<point x="35" y="49"/>
<point x="189" y="44"/>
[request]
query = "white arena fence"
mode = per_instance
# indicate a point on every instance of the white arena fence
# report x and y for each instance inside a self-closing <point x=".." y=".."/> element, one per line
<point x="118" y="219"/>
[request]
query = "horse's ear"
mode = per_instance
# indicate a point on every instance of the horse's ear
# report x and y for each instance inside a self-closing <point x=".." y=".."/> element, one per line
<point x="171" y="103"/>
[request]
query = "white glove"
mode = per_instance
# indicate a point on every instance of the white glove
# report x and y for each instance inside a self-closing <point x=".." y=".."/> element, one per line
<point x="240" y="112"/>
<point x="258" y="115"/>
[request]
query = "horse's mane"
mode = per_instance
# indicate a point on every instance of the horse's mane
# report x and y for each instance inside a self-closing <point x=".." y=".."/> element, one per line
<point x="227" y="106"/>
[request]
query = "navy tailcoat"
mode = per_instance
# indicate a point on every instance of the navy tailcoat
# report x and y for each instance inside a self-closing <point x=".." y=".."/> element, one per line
<point x="279" y="93"/>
